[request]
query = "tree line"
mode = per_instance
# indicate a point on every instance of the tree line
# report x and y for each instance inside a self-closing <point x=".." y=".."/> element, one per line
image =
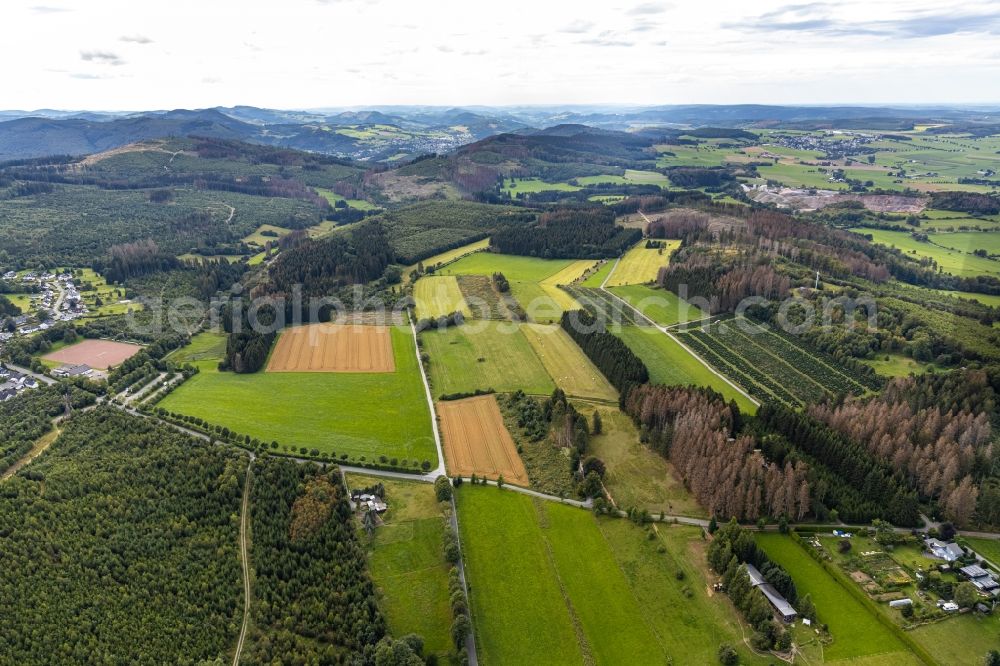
<point x="611" y="356"/>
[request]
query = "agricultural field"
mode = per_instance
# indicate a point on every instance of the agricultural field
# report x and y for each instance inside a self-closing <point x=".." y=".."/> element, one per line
<point x="407" y="564"/>
<point x="566" y="363"/>
<point x="361" y="415"/>
<point x="957" y="262"/>
<point x="477" y="442"/>
<point x="333" y="348"/>
<point x="640" y="265"/>
<point x="514" y="187"/>
<point x="207" y="346"/>
<point x="532" y="280"/>
<point x="98" y="354"/>
<point x="449" y="256"/>
<point x="631" y="177"/>
<point x="604" y="591"/>
<point x="662" y="306"/>
<point x="856" y="632"/>
<point x="670" y="364"/>
<point x="637" y="476"/>
<point x="596" y="279"/>
<point x="439" y="296"/>
<point x="484" y="355"/>
<point x="771" y="365"/>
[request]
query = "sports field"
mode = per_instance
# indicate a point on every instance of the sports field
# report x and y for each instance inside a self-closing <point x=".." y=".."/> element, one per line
<point x="604" y="591"/>
<point x="477" y="442"/>
<point x="662" y="306"/>
<point x="407" y="563"/>
<point x="669" y="363"/>
<point x="856" y="632"/>
<point x="333" y="348"/>
<point x="362" y="415"/>
<point x="484" y="355"/>
<point x="98" y="354"/>
<point x="572" y="371"/>
<point x="956" y="262"/>
<point x="640" y="265"/>
<point x="439" y="296"/>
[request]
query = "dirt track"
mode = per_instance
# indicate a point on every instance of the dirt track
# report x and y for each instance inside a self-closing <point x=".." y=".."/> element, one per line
<point x="333" y="348"/>
<point x="477" y="442"/>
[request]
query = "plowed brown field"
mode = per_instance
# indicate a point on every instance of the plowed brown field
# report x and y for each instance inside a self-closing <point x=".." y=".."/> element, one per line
<point x="477" y="442"/>
<point x="333" y="348"/>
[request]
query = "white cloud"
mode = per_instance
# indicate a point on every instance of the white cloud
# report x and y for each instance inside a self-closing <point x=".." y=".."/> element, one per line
<point x="193" y="53"/>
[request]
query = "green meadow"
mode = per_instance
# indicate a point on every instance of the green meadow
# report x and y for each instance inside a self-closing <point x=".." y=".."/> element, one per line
<point x="363" y="415"/>
<point x="483" y="355"/>
<point x="407" y="564"/>
<point x="661" y="305"/>
<point x="956" y="262"/>
<point x="670" y="364"/>
<point x="603" y="589"/>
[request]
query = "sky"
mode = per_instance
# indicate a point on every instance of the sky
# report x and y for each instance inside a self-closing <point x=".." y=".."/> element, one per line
<point x="303" y="54"/>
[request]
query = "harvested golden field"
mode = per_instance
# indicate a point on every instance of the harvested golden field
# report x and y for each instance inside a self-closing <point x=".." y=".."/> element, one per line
<point x="333" y="348"/>
<point x="477" y="442"/>
<point x="572" y="371"/>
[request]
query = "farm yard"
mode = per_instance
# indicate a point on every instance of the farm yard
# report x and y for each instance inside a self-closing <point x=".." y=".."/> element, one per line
<point x="364" y="416"/>
<point x="333" y="348"/>
<point x="669" y="363"/>
<point x="770" y="364"/>
<point x="407" y="564"/>
<point x="98" y="354"/>
<point x="856" y="632"/>
<point x="566" y="363"/>
<point x="604" y="589"/>
<point x="477" y="442"/>
<point x="483" y="355"/>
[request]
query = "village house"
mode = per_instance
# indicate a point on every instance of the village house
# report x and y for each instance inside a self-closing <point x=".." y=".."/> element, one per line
<point x="949" y="552"/>
<point x="371" y="502"/>
<point x="73" y="371"/>
<point x="781" y="605"/>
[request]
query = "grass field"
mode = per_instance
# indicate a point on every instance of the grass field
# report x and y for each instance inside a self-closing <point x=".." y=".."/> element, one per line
<point x="360" y="414"/>
<point x="532" y="280"/>
<point x="333" y="198"/>
<point x="636" y="476"/>
<point x="856" y="633"/>
<point x="956" y="262"/>
<point x="22" y="301"/>
<point x="631" y="177"/>
<point x="452" y="255"/>
<point x="669" y="363"/>
<point x="484" y="355"/>
<point x="603" y="591"/>
<point x="595" y="279"/>
<point x="641" y="264"/>
<point x="207" y="346"/>
<point x="258" y="237"/>
<point x="567" y="364"/>
<point x="988" y="548"/>
<point x="550" y="285"/>
<point x="534" y="185"/>
<point x="897" y="365"/>
<point x="992" y="300"/>
<point x="438" y="296"/>
<point x="407" y="563"/>
<point x="662" y="306"/>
